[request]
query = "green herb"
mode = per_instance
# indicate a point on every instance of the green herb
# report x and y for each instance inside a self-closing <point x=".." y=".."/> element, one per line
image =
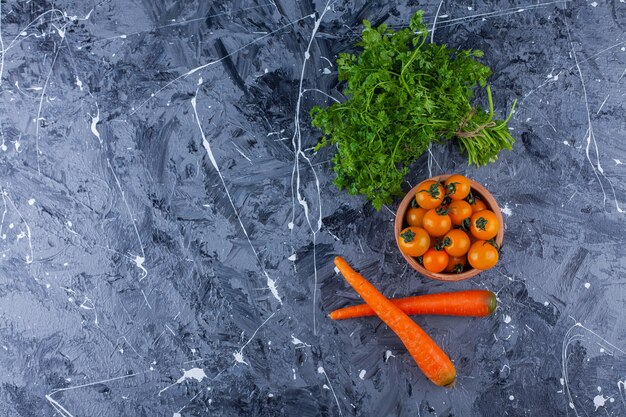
<point x="404" y="93"/>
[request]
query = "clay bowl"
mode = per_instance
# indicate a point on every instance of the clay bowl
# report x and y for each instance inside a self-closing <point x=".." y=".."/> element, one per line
<point x="400" y="224"/>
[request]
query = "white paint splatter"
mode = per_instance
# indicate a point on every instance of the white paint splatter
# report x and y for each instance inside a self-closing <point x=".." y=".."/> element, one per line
<point x="239" y="358"/>
<point x="79" y="83"/>
<point x="362" y="374"/>
<point x="507" y="319"/>
<point x="139" y="260"/>
<point x="292" y="258"/>
<point x="193" y="373"/>
<point x="506" y="210"/>
<point x="511" y="397"/>
<point x="94" y="121"/>
<point x="587" y="285"/>
<point x="326" y="71"/>
<point x="388" y="355"/>
<point x="321" y="370"/>
<point x="618" y="162"/>
<point x="31" y="201"/>
<point x="599" y="401"/>
<point x="296" y="341"/>
<point x="594" y="4"/>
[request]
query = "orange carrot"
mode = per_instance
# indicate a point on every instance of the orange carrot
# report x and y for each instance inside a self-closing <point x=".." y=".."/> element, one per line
<point x="429" y="357"/>
<point x="476" y="303"/>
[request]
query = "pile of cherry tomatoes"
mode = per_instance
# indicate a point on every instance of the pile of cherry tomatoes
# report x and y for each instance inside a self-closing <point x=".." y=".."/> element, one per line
<point x="449" y="227"/>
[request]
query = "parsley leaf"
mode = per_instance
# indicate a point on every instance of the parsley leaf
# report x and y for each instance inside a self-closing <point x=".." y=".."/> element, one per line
<point x="403" y="94"/>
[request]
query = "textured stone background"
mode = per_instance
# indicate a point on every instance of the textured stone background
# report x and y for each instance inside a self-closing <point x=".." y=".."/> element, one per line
<point x="141" y="267"/>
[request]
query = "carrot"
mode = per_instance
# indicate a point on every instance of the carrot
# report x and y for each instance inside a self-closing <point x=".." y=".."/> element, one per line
<point x="429" y="357"/>
<point x="476" y="303"/>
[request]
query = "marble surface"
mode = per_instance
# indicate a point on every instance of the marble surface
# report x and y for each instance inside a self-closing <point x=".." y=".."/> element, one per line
<point x="167" y="232"/>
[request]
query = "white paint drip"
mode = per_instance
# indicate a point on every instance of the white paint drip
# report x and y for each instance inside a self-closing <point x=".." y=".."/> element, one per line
<point x="507" y="319"/>
<point x="590" y="136"/>
<point x="296" y="142"/>
<point x="567" y="340"/>
<point x="239" y="358"/>
<point x="362" y="374"/>
<point x="321" y="370"/>
<point x="94" y="122"/>
<point x="193" y="373"/>
<point x="239" y="354"/>
<point x="599" y="401"/>
<point x="139" y="260"/>
<point x="296" y="341"/>
<point x="63" y="411"/>
<point x="388" y="355"/>
<point x="506" y="210"/>
<point x="271" y="284"/>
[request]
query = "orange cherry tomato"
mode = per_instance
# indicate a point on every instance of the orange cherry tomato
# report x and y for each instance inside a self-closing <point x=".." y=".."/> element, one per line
<point x="458" y="211"/>
<point x="414" y="241"/>
<point x="414" y="216"/>
<point x="458" y="187"/>
<point x="484" y="225"/>
<point x="437" y="222"/>
<point x="456" y="242"/>
<point x="482" y="255"/>
<point x="478" y="205"/>
<point x="435" y="260"/>
<point x="456" y="264"/>
<point x="429" y="194"/>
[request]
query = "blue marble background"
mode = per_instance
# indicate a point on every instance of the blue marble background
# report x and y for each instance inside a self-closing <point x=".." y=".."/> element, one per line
<point x="167" y="232"/>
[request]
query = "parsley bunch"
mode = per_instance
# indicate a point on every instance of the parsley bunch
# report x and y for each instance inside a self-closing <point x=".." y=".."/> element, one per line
<point x="404" y="93"/>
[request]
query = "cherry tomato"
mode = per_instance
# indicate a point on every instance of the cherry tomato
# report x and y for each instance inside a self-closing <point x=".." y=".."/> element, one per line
<point x="482" y="255"/>
<point x="414" y="216"/>
<point x="456" y="264"/>
<point x="437" y="222"/>
<point x="456" y="242"/>
<point x="429" y="194"/>
<point x="484" y="225"/>
<point x="435" y="260"/>
<point x="478" y="205"/>
<point x="458" y="187"/>
<point x="458" y="211"/>
<point x="414" y="241"/>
